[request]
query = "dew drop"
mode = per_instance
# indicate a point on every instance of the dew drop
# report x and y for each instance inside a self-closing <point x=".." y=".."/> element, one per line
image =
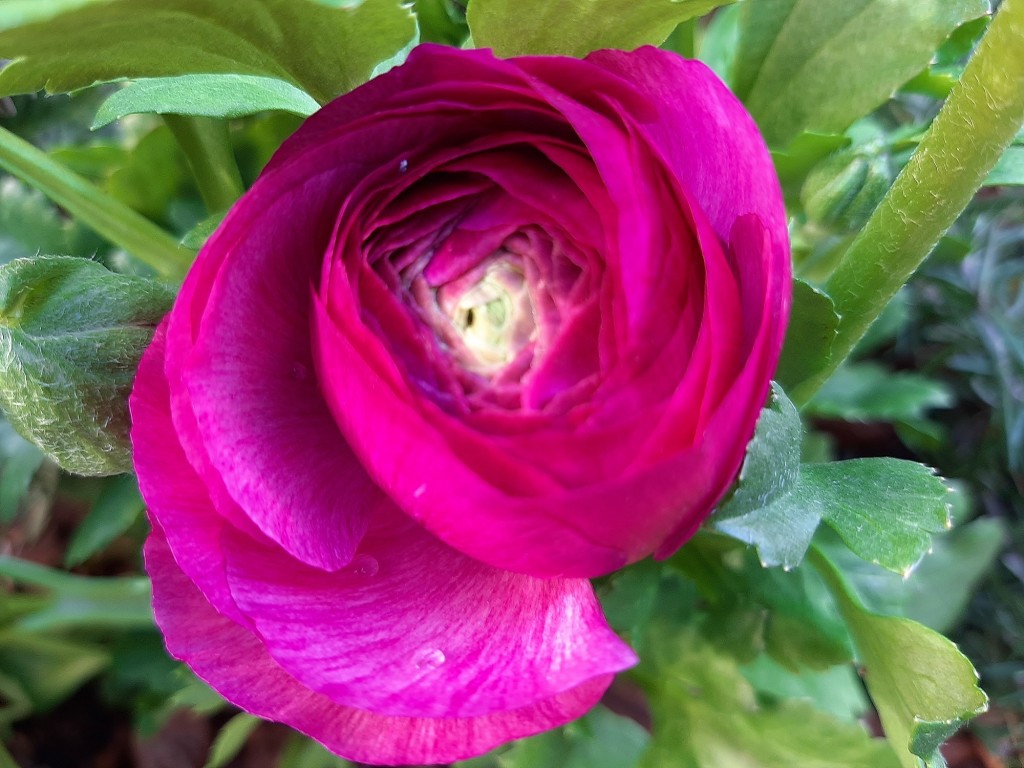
<point x="364" y="565"/>
<point x="299" y="372"/>
<point x="419" y="491"/>
<point x="428" y="658"/>
<point x="403" y="166"/>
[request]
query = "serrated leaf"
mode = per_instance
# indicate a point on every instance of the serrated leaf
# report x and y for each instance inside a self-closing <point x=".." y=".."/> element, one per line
<point x="813" y="325"/>
<point x="117" y="507"/>
<point x="794" y="52"/>
<point x="763" y="510"/>
<point x="707" y="716"/>
<point x="321" y="49"/>
<point x="72" y="334"/>
<point x="868" y="391"/>
<point x="885" y="510"/>
<point x="230" y="739"/>
<point x="576" y="27"/>
<point x="923" y="688"/>
<point x="224" y="96"/>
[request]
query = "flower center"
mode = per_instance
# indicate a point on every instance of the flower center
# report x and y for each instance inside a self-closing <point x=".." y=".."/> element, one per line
<point x="494" y="317"/>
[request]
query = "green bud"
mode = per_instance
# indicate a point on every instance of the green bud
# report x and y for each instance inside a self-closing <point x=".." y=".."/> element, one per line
<point x="844" y="188"/>
<point x="71" y="335"/>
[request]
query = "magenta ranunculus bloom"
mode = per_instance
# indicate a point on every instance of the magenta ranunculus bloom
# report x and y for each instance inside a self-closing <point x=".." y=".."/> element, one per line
<point x="481" y="330"/>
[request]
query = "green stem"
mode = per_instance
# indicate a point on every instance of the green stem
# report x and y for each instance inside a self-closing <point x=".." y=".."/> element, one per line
<point x="207" y="147"/>
<point x="977" y="122"/>
<point x="111" y="218"/>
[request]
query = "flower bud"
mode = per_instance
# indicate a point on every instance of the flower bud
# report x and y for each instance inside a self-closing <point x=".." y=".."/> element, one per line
<point x="71" y="335"/>
<point x="844" y="188"/>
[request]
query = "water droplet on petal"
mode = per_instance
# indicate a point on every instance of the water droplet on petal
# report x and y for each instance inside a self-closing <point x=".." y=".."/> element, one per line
<point x="419" y="491"/>
<point x="299" y="372"/>
<point x="428" y="658"/>
<point x="403" y="166"/>
<point x="364" y="565"/>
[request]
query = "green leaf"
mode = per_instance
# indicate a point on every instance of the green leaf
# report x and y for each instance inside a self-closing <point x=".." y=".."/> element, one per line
<point x="118" y="506"/>
<point x="871" y="392"/>
<point x="224" y="96"/>
<point x="1009" y="169"/>
<point x="230" y="739"/>
<point x="73" y="334"/>
<point x="923" y="687"/>
<point x="16" y="13"/>
<point x="440" y="22"/>
<point x="48" y="668"/>
<point x="749" y="609"/>
<point x="80" y="601"/>
<point x="21" y="460"/>
<point x="885" y="510"/>
<point x="706" y="715"/>
<point x="601" y="739"/>
<point x="836" y="690"/>
<point x="323" y="49"/>
<point x="812" y="327"/>
<point x="719" y="41"/>
<point x="793" y="52"/>
<point x="759" y="511"/>
<point x="575" y="27"/>
<point x="940" y="588"/>
<point x="31" y="224"/>
<point x="301" y="752"/>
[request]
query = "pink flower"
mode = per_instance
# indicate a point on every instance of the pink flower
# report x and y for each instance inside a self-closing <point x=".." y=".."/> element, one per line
<point x="481" y="330"/>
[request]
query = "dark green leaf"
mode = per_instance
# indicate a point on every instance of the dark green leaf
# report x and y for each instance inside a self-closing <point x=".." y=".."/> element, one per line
<point x="870" y="392"/>
<point x="118" y="506"/>
<point x="73" y="334"/>
<point x="321" y="49"/>
<point x="440" y="22"/>
<point x="813" y="324"/>
<point x="225" y="96"/>
<point x="30" y="224"/>
<point x="793" y="53"/>
<point x="719" y="41"/>
<point x="575" y="27"/>
<point x="21" y="460"/>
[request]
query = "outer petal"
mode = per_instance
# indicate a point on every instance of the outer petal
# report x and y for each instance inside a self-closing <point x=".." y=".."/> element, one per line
<point x="418" y="629"/>
<point x="233" y="661"/>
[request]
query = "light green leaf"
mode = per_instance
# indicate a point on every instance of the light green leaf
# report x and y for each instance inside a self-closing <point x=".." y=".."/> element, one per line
<point x="719" y="41"/>
<point x="118" y="506"/>
<point x="706" y="715"/>
<point x="576" y="27"/>
<point x="871" y="392"/>
<point x="923" y="687"/>
<point x="794" y="52"/>
<point x="21" y="460"/>
<point x="225" y="96"/>
<point x="15" y="13"/>
<point x="885" y="510"/>
<point x="31" y="224"/>
<point x="72" y="334"/>
<point x="812" y="327"/>
<point x="302" y="752"/>
<point x="230" y="739"/>
<point x="321" y="49"/>
<point x="1009" y="170"/>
